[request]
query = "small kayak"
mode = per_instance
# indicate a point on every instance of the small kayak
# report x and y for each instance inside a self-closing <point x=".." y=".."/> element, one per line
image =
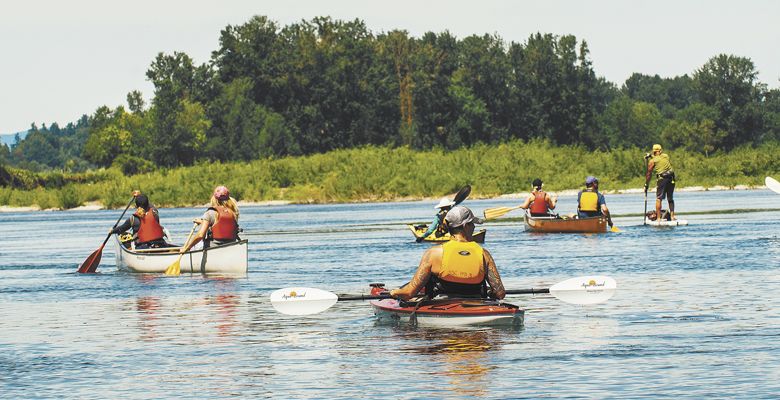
<point x="419" y="230"/>
<point x="449" y="312"/>
<point x="678" y="222"/>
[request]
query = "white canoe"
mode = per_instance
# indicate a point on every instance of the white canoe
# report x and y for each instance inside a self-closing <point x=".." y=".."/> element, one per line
<point x="679" y="222"/>
<point x="229" y="259"/>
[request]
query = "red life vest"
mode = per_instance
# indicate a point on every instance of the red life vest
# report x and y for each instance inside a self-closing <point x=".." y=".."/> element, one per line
<point x="539" y="205"/>
<point x="226" y="227"/>
<point x="150" y="228"/>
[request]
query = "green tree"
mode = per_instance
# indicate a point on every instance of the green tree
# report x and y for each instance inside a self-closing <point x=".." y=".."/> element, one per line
<point x="729" y="84"/>
<point x="695" y="130"/>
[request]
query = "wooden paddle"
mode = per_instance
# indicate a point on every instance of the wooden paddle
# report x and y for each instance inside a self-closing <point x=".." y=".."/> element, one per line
<point x="496" y="212"/>
<point x="91" y="263"/>
<point x="305" y="301"/>
<point x="772" y="184"/>
<point x="175" y="268"/>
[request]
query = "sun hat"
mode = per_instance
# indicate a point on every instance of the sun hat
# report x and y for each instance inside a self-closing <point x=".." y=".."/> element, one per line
<point x="460" y="216"/>
<point x="221" y="193"/>
<point x="657" y="147"/>
<point x="444" y="202"/>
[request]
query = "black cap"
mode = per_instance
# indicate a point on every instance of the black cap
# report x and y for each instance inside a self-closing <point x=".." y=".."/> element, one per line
<point x="142" y="201"/>
<point x="537" y="183"/>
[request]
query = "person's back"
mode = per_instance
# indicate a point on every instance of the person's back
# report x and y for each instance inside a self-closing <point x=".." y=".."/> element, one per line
<point x="459" y="267"/>
<point x="539" y="203"/>
<point x="589" y="203"/>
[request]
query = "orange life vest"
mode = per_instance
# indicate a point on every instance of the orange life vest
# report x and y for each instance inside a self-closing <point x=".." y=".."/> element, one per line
<point x="226" y="227"/>
<point x="150" y="229"/>
<point x="462" y="262"/>
<point x="539" y="205"/>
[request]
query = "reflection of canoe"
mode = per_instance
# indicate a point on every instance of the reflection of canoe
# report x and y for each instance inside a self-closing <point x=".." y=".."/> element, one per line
<point x="419" y="230"/>
<point x="450" y="312"/>
<point x="679" y="222"/>
<point x="228" y="258"/>
<point x="566" y="225"/>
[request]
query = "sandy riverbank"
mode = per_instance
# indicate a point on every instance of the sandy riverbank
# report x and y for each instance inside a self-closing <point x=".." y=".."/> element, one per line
<point x="92" y="206"/>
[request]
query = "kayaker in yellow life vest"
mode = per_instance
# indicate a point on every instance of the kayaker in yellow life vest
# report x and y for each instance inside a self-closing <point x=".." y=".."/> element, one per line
<point x="591" y="203"/>
<point x="539" y="202"/>
<point x="444" y="206"/>
<point x="458" y="268"/>
<point x="661" y="166"/>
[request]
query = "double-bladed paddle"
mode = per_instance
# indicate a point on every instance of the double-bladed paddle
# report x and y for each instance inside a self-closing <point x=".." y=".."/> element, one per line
<point x="772" y="184"/>
<point x="91" y="263"/>
<point x="305" y="301"/>
<point x="462" y="194"/>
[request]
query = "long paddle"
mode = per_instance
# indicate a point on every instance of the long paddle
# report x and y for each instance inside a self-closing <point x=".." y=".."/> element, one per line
<point x="91" y="263"/>
<point x="772" y="184"/>
<point x="647" y="182"/>
<point x="496" y="212"/>
<point x="462" y="194"/>
<point x="175" y="268"/>
<point x="306" y="301"/>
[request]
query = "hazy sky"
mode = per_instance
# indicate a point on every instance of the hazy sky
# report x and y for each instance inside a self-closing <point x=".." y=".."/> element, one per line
<point x="62" y="59"/>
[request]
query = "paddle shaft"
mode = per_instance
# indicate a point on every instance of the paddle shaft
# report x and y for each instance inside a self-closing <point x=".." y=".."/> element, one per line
<point x="87" y="265"/>
<point x="351" y="297"/>
<point x="647" y="182"/>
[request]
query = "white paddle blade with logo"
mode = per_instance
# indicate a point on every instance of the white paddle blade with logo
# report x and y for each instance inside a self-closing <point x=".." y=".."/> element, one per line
<point x="772" y="184"/>
<point x="585" y="289"/>
<point x="302" y="300"/>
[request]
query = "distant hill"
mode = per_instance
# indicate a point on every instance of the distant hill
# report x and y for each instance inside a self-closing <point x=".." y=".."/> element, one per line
<point x="8" y="138"/>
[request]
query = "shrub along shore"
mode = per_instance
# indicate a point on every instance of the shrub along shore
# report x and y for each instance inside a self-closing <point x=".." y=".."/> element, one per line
<point x="383" y="174"/>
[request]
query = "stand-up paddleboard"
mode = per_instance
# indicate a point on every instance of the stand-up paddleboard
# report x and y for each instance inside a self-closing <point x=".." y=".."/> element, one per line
<point x="772" y="184"/>
<point x="678" y="222"/>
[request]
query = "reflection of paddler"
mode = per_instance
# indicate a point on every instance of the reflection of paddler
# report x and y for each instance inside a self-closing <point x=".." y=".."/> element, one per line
<point x="464" y="353"/>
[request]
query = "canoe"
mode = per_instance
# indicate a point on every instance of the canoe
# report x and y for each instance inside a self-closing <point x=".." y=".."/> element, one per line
<point x="565" y="225"/>
<point x="449" y="312"/>
<point x="229" y="259"/>
<point x="679" y="222"/>
<point x="419" y="230"/>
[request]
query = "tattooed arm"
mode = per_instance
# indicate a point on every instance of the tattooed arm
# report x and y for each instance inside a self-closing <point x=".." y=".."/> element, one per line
<point x="493" y="278"/>
<point x="420" y="277"/>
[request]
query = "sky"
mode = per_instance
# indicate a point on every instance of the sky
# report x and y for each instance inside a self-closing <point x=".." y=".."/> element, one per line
<point x="62" y="59"/>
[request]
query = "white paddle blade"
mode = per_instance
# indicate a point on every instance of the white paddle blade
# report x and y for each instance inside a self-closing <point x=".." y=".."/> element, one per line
<point x="772" y="184"/>
<point x="302" y="300"/>
<point x="585" y="289"/>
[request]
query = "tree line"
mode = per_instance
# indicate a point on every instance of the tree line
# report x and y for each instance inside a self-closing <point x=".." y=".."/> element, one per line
<point x="324" y="84"/>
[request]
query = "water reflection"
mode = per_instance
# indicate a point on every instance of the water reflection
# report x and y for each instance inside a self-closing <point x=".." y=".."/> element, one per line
<point x="464" y="355"/>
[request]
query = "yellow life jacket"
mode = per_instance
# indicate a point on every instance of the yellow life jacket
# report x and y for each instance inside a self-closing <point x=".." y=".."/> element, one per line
<point x="589" y="201"/>
<point x="462" y="262"/>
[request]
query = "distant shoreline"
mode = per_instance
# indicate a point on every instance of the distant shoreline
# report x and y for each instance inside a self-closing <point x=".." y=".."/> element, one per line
<point x="95" y="205"/>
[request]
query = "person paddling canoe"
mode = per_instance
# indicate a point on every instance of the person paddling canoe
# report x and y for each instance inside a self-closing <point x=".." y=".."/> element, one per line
<point x="145" y="223"/>
<point x="445" y="204"/>
<point x="661" y="165"/>
<point x="539" y="202"/>
<point x="591" y="203"/>
<point x="219" y="224"/>
<point x="458" y="268"/>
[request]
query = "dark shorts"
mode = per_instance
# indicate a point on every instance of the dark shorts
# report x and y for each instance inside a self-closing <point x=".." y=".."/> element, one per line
<point x="664" y="188"/>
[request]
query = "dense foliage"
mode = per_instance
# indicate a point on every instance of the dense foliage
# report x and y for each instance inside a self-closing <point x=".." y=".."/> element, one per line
<point x="385" y="173"/>
<point x="320" y="85"/>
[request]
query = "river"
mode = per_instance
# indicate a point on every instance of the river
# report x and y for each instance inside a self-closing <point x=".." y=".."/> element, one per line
<point x="695" y="314"/>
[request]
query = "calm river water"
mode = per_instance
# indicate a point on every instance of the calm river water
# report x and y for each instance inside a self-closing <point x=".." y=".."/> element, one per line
<point x="695" y="315"/>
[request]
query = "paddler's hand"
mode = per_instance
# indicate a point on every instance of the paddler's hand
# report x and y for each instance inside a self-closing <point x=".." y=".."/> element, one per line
<point x="136" y="193"/>
<point x="396" y="293"/>
<point x="419" y="240"/>
<point x="197" y="221"/>
<point x="646" y="186"/>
